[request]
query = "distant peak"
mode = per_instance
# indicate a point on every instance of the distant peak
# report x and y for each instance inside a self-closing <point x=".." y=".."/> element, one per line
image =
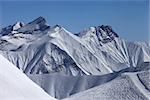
<point x="107" y="30"/>
<point x="87" y="32"/>
<point x="57" y="27"/>
<point x="39" y="20"/>
<point x="39" y="24"/>
<point x="104" y="33"/>
<point x="18" y="25"/>
<point x="93" y="30"/>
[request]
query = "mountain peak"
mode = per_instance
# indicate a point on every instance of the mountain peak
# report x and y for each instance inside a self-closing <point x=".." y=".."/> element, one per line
<point x="57" y="27"/>
<point x="104" y="33"/>
<point x="106" y="30"/>
<point x="39" y="20"/>
<point x="37" y="24"/>
<point x="18" y="25"/>
<point x="93" y="30"/>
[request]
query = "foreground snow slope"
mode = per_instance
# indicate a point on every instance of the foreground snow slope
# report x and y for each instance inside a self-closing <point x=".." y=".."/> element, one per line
<point x="14" y="85"/>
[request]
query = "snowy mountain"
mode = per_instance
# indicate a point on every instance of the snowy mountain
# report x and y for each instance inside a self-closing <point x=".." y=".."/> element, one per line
<point x="59" y="61"/>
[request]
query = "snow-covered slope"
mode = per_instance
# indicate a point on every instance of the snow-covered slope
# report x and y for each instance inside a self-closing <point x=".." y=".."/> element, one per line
<point x="125" y="87"/>
<point x="15" y="85"/>
<point x="62" y="86"/>
<point x="46" y="52"/>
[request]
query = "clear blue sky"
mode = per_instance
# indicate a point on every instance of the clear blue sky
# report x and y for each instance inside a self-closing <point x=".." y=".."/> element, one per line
<point x="129" y="18"/>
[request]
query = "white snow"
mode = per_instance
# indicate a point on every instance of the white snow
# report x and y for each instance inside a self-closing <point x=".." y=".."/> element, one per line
<point x="14" y="85"/>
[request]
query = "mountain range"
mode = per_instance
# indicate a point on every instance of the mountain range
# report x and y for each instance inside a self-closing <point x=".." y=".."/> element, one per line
<point x="94" y="64"/>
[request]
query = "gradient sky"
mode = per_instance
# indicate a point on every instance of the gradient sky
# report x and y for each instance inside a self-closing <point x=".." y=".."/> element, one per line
<point x="129" y="18"/>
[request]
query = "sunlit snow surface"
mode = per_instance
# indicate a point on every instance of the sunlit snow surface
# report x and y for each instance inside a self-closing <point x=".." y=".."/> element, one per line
<point x="14" y="85"/>
<point x="95" y="64"/>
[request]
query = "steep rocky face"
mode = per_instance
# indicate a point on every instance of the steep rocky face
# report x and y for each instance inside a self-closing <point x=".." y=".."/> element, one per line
<point x="106" y="33"/>
<point x="103" y="34"/>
